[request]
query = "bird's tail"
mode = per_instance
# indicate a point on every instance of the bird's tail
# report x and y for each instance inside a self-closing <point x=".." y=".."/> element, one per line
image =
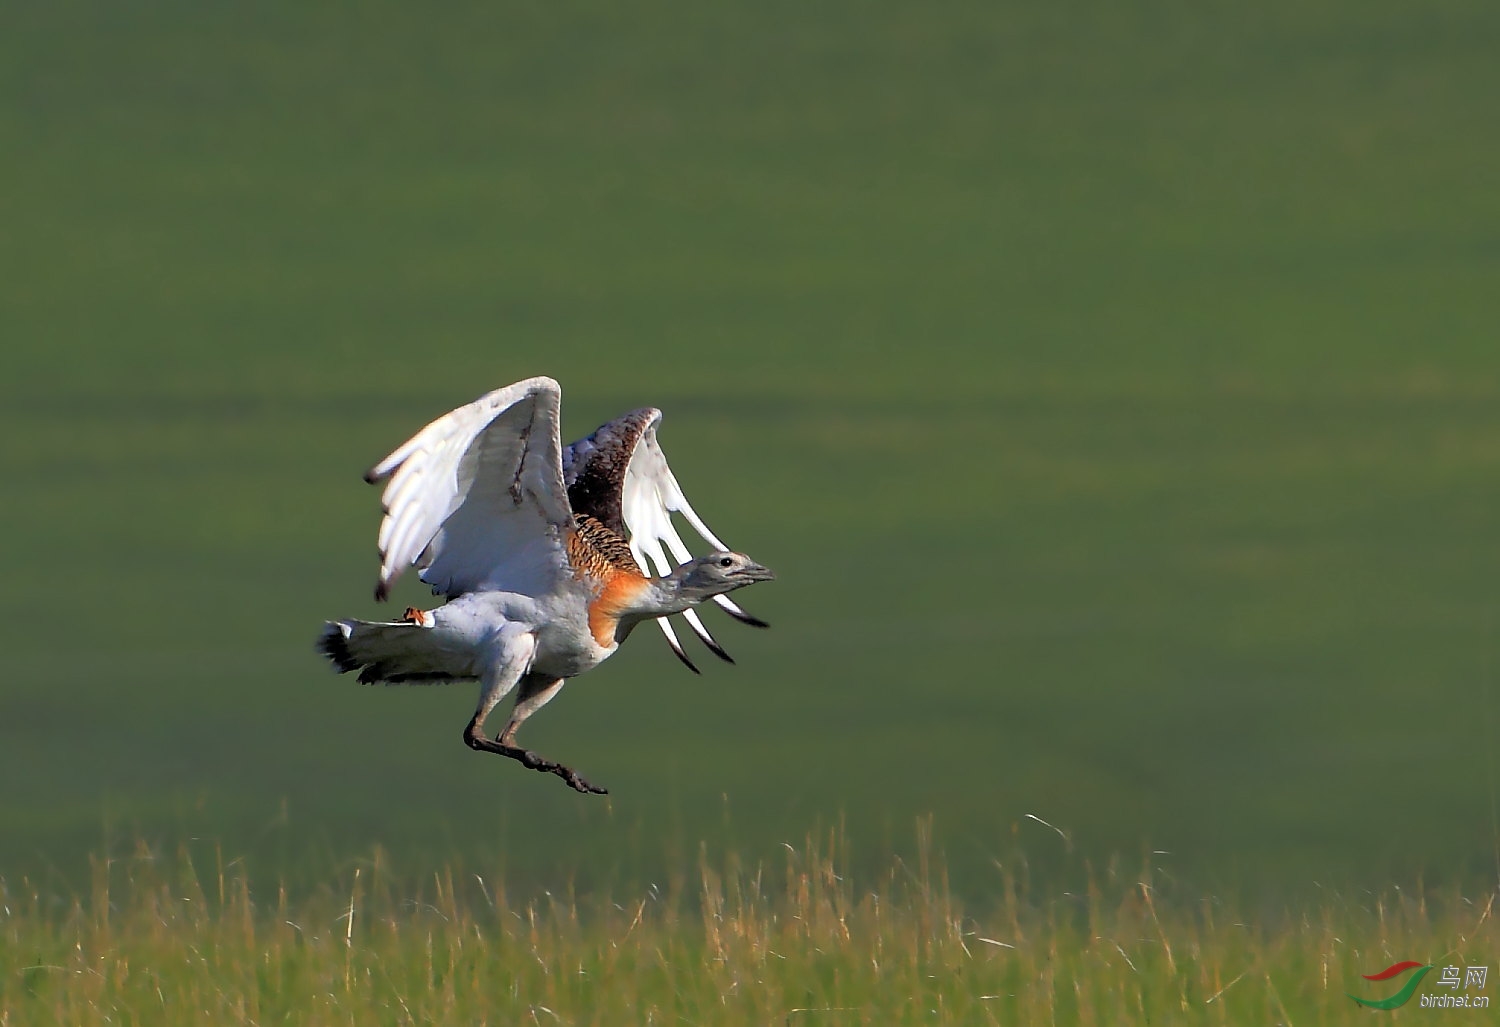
<point x="396" y="652"/>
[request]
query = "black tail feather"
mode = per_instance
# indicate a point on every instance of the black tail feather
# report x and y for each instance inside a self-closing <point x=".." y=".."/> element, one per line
<point x="376" y="662"/>
<point x="334" y="644"/>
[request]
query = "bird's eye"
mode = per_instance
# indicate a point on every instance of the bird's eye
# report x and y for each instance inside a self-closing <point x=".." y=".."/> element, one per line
<point x="725" y="561"/>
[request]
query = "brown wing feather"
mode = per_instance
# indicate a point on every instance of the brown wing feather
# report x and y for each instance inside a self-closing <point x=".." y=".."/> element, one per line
<point x="594" y="468"/>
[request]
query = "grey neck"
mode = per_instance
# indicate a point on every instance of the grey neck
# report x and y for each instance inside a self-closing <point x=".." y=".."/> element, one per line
<point x="666" y="595"/>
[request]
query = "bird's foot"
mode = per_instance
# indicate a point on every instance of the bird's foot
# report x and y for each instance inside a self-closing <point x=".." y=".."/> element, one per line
<point x="529" y="759"/>
<point x="571" y="777"/>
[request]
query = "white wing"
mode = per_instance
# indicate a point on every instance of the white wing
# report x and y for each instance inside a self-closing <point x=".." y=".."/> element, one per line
<point x="620" y="476"/>
<point x="476" y="499"/>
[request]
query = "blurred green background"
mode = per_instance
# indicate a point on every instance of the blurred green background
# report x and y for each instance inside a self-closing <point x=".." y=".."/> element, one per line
<point x="1114" y="387"/>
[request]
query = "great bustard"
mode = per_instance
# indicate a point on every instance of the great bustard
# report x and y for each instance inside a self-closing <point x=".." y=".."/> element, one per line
<point x="539" y="551"/>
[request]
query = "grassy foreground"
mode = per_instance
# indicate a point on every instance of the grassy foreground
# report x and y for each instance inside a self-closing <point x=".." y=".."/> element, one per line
<point x="168" y="940"/>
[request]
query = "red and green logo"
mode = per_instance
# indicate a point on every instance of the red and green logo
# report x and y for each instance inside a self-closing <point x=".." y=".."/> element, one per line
<point x="1407" y="990"/>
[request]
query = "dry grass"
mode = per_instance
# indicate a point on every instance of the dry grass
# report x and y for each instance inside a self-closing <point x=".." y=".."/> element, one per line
<point x="160" y="941"/>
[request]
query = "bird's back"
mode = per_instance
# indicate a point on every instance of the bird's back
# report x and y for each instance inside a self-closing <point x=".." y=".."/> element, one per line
<point x="602" y="559"/>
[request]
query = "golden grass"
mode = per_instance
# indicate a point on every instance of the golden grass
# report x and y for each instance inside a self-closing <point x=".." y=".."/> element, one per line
<point x="159" y="941"/>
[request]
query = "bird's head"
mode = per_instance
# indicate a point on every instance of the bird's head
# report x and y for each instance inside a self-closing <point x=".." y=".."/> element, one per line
<point x="717" y="573"/>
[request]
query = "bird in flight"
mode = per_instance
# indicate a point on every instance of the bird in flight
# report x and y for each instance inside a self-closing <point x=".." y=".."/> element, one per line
<point x="541" y="552"/>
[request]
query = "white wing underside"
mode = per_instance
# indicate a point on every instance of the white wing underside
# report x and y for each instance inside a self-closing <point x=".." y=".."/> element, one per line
<point x="648" y="495"/>
<point x="476" y="499"/>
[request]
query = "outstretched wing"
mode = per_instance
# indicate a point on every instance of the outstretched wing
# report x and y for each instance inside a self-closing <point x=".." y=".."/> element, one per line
<point x="476" y="499"/>
<point x="619" y="475"/>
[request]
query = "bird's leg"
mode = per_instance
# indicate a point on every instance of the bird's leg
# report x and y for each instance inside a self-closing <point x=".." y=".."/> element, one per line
<point x="534" y="694"/>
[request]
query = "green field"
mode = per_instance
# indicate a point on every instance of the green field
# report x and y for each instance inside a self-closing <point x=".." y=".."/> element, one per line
<point x="1115" y="391"/>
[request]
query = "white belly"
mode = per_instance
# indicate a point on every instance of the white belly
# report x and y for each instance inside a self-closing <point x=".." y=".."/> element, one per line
<point x="567" y="650"/>
<point x="564" y="646"/>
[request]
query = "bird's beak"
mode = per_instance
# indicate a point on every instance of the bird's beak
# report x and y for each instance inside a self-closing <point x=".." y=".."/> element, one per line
<point x="755" y="572"/>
